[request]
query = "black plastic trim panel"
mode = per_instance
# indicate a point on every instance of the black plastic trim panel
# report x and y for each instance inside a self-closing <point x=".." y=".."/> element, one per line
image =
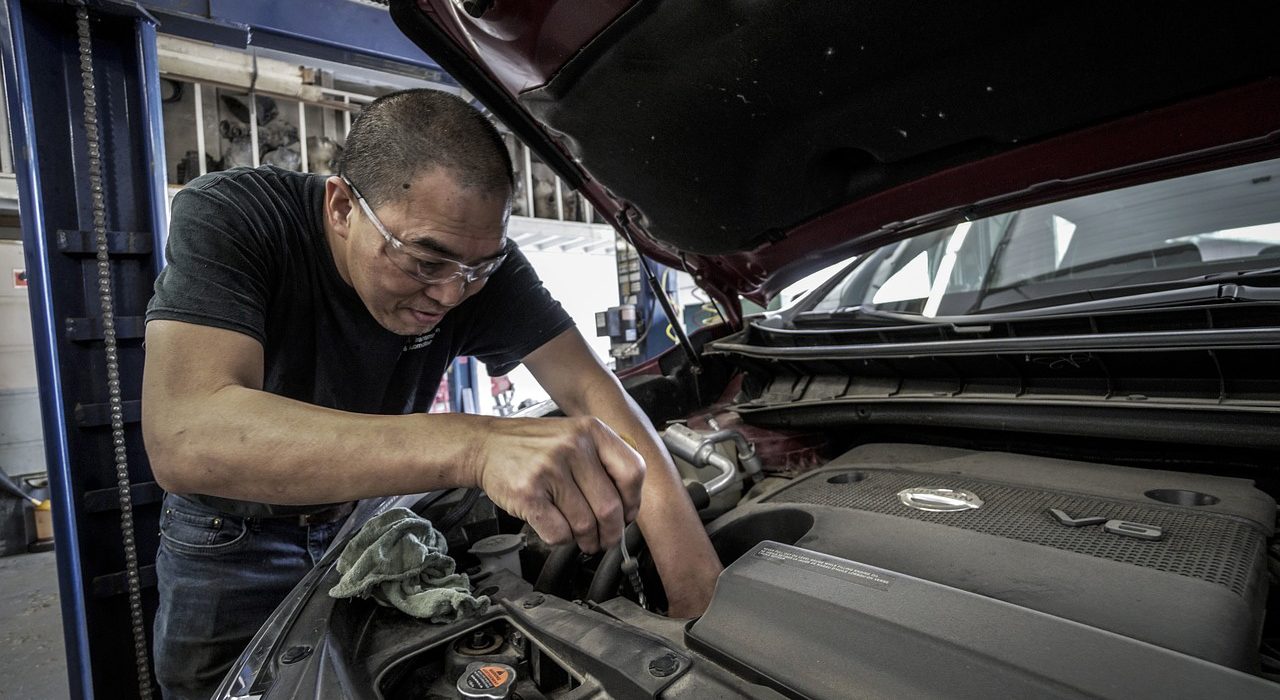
<point x="1227" y="428"/>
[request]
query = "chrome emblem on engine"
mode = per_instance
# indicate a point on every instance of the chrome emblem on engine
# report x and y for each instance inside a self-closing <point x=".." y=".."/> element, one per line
<point x="939" y="500"/>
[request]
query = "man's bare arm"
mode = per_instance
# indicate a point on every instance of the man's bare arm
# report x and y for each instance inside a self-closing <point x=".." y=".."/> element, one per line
<point x="580" y="385"/>
<point x="210" y="428"/>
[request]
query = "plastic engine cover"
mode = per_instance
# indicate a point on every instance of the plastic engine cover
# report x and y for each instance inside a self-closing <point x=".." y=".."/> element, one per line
<point x="1198" y="589"/>
<point x="818" y="626"/>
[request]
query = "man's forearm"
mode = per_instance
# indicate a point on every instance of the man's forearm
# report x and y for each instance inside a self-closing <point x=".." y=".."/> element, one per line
<point x="209" y="428"/>
<point x="248" y="444"/>
<point x="581" y="385"/>
<point x="677" y="541"/>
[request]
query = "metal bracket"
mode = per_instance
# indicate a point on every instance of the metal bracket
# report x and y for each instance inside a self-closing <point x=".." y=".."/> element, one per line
<point x="118" y="243"/>
<point x="110" y="585"/>
<point x="80" y="330"/>
<point x="96" y="415"/>
<point x="106" y="500"/>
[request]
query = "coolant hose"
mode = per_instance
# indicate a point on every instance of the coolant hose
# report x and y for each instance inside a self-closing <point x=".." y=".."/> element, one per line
<point x="604" y="585"/>
<point x="557" y="572"/>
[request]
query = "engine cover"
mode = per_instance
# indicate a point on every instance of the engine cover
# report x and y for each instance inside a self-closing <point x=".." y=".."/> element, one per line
<point x="1174" y="559"/>
<point x="817" y="626"/>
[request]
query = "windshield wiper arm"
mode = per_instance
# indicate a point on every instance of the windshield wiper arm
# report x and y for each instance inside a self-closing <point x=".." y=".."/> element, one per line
<point x="1204" y="288"/>
<point x="847" y="313"/>
<point x="1225" y="287"/>
<point x="996" y="257"/>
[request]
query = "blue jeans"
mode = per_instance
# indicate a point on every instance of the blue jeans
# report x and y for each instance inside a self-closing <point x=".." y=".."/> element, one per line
<point x="219" y="577"/>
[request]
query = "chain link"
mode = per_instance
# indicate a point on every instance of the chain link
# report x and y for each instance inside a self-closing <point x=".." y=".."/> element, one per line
<point x="120" y="450"/>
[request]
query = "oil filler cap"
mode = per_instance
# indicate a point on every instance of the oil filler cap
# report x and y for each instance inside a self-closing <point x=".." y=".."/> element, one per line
<point x="486" y="679"/>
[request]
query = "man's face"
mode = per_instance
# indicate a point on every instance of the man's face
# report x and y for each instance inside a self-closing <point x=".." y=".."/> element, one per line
<point x="437" y="219"/>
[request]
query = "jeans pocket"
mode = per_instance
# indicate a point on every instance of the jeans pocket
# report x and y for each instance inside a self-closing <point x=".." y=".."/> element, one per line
<point x="194" y="531"/>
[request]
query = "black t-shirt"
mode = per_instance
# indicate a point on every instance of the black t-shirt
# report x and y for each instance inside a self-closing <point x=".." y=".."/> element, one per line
<point x="247" y="252"/>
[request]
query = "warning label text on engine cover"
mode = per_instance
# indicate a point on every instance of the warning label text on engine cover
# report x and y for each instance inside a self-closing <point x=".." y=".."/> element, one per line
<point x="813" y="561"/>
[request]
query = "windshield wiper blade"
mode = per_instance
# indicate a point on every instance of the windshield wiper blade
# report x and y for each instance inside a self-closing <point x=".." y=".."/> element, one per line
<point x="1155" y="294"/>
<point x="1226" y="287"/>
<point x="1115" y="290"/>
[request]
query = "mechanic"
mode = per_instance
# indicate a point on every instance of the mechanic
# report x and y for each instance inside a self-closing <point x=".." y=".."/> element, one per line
<point x="295" y="342"/>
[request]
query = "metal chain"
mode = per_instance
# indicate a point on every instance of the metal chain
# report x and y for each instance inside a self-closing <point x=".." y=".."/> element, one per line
<point x="93" y="140"/>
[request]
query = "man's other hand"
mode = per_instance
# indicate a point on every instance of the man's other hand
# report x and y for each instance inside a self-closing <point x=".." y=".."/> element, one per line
<point x="572" y="479"/>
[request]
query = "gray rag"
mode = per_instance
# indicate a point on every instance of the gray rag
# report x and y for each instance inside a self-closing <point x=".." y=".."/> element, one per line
<point x="400" y="560"/>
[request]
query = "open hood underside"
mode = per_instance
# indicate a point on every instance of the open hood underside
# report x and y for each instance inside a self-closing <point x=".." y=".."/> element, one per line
<point x="752" y="142"/>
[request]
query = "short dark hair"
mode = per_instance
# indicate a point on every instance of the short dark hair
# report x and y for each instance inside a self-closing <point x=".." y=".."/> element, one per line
<point x="404" y="134"/>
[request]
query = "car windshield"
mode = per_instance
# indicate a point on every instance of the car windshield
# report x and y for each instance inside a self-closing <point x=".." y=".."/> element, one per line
<point x="1221" y="221"/>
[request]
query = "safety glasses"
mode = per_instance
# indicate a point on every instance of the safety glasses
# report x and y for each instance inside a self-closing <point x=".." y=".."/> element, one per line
<point x="425" y="266"/>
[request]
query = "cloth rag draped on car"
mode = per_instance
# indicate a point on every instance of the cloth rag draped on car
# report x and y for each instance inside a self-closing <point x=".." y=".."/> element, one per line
<point x="401" y="561"/>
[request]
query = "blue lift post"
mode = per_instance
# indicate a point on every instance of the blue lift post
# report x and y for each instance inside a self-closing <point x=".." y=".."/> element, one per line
<point x="47" y="119"/>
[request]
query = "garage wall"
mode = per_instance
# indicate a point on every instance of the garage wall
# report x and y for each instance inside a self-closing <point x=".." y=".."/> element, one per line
<point x="21" y="439"/>
<point x="584" y="283"/>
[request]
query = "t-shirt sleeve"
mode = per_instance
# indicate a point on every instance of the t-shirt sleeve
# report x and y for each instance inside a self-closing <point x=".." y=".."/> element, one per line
<point x="513" y="316"/>
<point x="218" y="265"/>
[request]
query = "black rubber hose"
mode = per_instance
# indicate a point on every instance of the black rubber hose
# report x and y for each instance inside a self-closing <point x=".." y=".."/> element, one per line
<point x="604" y="585"/>
<point x="429" y="499"/>
<point x="459" y="511"/>
<point x="698" y="494"/>
<point x="557" y="573"/>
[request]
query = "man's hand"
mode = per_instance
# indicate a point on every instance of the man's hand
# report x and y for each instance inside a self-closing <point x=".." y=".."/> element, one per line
<point x="571" y="479"/>
<point x="581" y="385"/>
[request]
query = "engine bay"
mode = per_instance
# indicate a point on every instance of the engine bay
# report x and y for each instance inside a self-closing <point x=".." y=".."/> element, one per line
<point x="874" y="570"/>
<point x="868" y="552"/>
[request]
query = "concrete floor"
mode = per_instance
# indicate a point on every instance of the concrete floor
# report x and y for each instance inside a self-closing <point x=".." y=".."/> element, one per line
<point x="32" y="658"/>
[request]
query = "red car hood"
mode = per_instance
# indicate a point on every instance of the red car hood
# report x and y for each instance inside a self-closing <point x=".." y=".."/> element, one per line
<point x="753" y="142"/>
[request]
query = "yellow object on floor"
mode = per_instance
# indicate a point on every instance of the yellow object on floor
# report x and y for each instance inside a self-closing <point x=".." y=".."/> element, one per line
<point x="44" y="520"/>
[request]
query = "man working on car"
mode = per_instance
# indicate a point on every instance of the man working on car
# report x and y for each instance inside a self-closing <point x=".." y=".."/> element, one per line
<point x="295" y="342"/>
